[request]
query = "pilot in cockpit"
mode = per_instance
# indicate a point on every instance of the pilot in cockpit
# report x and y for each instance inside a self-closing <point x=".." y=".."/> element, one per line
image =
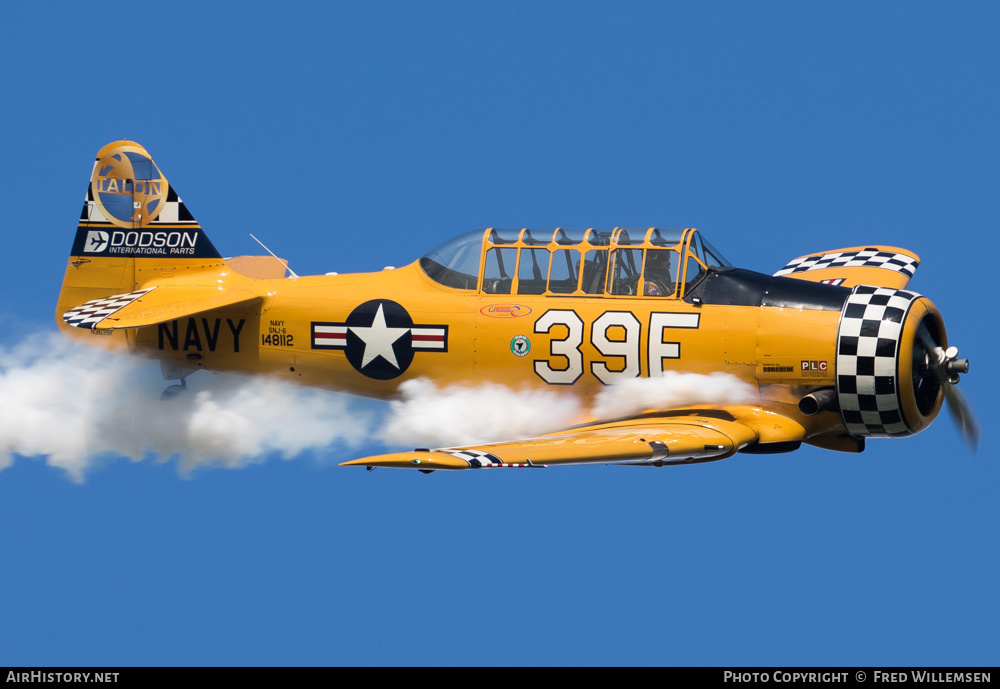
<point x="657" y="281"/>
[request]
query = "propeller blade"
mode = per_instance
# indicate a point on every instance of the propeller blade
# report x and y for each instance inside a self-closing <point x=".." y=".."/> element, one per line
<point x="937" y="357"/>
<point x="961" y="414"/>
<point x="945" y="366"/>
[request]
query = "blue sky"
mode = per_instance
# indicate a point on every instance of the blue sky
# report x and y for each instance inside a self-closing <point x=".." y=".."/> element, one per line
<point x="354" y="136"/>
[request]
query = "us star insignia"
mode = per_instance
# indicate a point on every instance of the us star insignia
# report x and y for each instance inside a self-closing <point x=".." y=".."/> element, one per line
<point x="379" y="338"/>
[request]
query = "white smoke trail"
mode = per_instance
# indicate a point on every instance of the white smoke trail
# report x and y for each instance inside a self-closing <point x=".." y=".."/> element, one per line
<point x="464" y="415"/>
<point x="671" y="391"/>
<point x="74" y="405"/>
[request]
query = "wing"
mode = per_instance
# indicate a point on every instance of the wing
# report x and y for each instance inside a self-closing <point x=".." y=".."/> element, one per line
<point x="656" y="439"/>
<point x="152" y="305"/>
<point x="881" y="266"/>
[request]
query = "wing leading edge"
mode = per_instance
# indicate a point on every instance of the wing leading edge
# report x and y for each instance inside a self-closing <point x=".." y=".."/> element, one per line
<point x="656" y="439"/>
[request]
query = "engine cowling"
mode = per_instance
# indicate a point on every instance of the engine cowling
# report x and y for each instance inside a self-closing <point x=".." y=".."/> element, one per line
<point x="885" y="387"/>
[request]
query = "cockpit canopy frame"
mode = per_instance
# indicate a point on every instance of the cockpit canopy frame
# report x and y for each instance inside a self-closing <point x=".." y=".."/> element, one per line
<point x="623" y="262"/>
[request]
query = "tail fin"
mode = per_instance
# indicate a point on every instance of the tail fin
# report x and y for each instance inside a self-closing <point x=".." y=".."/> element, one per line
<point x="133" y="228"/>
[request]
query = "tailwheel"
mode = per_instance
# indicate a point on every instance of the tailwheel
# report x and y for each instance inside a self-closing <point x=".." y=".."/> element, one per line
<point x="175" y="391"/>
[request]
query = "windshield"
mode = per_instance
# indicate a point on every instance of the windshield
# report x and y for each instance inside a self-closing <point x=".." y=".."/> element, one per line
<point x="709" y="254"/>
<point x="456" y="262"/>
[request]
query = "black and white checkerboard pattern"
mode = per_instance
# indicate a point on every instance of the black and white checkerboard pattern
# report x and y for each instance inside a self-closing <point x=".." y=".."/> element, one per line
<point x="871" y="325"/>
<point x="866" y="258"/>
<point x="91" y="313"/>
<point x="174" y="211"/>
<point x="478" y="459"/>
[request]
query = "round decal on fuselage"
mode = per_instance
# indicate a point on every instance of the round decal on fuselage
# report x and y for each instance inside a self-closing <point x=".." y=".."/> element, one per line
<point x="520" y="345"/>
<point x="379" y="343"/>
<point x="380" y="338"/>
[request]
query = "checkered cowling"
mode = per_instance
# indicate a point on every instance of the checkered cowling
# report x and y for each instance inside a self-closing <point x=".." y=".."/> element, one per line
<point x="868" y="376"/>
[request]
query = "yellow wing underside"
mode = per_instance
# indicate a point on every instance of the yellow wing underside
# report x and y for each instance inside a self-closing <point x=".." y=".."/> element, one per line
<point x="657" y="439"/>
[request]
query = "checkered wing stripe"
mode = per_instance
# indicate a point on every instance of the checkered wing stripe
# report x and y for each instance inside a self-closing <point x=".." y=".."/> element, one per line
<point x="477" y="459"/>
<point x="867" y="258"/>
<point x="91" y="313"/>
<point x="871" y="326"/>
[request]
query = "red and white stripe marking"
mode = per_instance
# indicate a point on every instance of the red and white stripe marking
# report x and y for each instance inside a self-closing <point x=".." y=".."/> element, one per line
<point x="428" y="338"/>
<point x="329" y="335"/>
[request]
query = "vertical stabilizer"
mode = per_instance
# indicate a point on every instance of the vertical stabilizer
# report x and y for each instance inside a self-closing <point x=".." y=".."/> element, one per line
<point x="133" y="228"/>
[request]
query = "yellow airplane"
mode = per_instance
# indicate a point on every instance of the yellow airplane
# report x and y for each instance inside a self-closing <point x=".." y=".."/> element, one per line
<point x="832" y="349"/>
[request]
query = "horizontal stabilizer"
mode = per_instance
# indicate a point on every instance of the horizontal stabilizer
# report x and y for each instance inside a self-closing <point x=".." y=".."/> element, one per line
<point x="881" y="266"/>
<point x="152" y="305"/>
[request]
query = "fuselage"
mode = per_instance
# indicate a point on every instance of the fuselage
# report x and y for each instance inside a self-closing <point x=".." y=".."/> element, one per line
<point x="318" y="331"/>
<point x="492" y="307"/>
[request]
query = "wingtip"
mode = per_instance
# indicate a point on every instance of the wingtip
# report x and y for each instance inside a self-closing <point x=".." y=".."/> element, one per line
<point x="419" y="460"/>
